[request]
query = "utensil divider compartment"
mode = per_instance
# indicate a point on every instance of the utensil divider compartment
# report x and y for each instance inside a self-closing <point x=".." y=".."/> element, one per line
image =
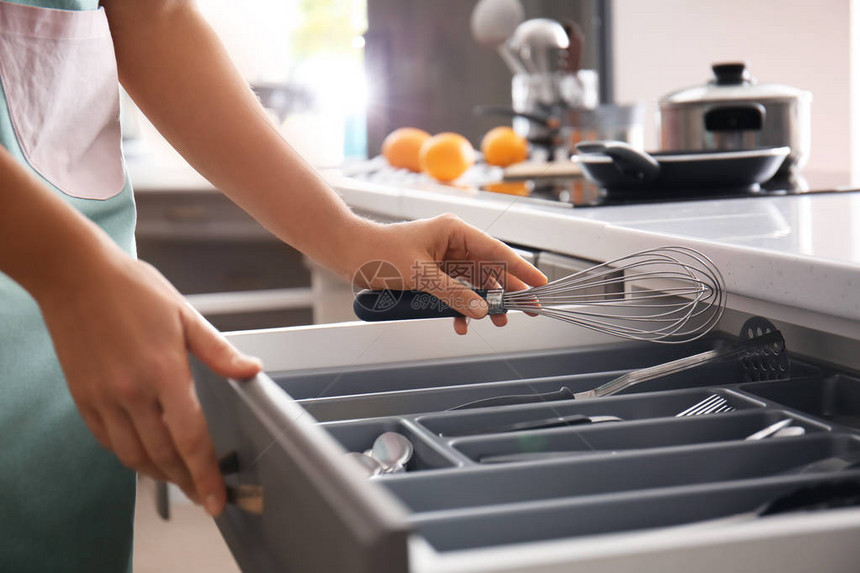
<point x="620" y="356"/>
<point x="442" y="397"/>
<point x="834" y="398"/>
<point x="626" y="406"/>
<point x="601" y="514"/>
<point x="610" y="437"/>
<point x="429" y="452"/>
<point x="488" y="485"/>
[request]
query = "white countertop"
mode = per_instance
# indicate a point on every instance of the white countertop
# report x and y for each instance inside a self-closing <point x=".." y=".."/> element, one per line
<point x="798" y="253"/>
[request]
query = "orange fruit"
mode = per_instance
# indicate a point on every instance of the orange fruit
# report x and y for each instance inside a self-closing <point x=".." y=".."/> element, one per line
<point x="401" y="147"/>
<point x="446" y="156"/>
<point x="503" y="146"/>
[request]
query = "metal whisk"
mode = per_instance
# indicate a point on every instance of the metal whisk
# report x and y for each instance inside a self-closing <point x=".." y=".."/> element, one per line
<point x="669" y="294"/>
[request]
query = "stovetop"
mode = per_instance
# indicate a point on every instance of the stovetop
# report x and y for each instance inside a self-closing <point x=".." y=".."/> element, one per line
<point x="567" y="192"/>
<point x="576" y="192"/>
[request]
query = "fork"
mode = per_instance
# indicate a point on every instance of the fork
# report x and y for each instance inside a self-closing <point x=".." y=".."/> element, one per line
<point x="713" y="404"/>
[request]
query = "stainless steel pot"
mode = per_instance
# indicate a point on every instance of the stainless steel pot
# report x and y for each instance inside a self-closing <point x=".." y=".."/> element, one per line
<point x="733" y="112"/>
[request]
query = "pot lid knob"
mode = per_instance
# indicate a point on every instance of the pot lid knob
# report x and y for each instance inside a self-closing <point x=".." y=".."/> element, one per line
<point x="731" y="74"/>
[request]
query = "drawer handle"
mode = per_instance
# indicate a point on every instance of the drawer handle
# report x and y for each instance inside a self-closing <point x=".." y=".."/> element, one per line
<point x="247" y="497"/>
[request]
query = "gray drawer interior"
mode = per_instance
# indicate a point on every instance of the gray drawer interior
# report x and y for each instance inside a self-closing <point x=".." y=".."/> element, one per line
<point x="473" y="481"/>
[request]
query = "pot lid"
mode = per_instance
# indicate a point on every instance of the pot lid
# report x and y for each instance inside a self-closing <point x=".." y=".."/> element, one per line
<point x="732" y="82"/>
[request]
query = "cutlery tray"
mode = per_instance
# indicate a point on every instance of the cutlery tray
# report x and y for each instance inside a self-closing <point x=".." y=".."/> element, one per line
<point x="645" y="471"/>
<point x="650" y="469"/>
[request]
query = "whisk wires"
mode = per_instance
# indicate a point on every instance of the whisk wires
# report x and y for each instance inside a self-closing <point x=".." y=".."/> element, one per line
<point x="670" y="294"/>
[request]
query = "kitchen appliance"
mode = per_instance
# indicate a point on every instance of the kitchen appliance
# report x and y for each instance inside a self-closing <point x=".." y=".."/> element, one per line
<point x="625" y="495"/>
<point x="615" y="165"/>
<point x="669" y="294"/>
<point x="733" y="112"/>
<point x="560" y="184"/>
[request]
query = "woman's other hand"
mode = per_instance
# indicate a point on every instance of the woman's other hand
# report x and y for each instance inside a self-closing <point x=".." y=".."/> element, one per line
<point x="122" y="334"/>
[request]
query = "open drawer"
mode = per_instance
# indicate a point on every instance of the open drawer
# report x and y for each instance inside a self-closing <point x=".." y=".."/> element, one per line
<point x="650" y="491"/>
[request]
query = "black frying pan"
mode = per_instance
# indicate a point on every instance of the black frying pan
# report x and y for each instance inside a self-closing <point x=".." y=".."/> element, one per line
<point x="615" y="165"/>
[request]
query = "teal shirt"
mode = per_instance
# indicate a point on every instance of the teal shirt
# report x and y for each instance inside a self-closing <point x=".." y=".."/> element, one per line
<point x="66" y="504"/>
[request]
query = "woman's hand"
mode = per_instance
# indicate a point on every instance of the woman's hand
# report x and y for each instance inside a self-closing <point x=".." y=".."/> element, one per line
<point x="434" y="255"/>
<point x="122" y="337"/>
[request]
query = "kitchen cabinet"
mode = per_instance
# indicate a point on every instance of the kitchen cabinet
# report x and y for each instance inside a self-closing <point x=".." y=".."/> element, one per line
<point x="231" y="269"/>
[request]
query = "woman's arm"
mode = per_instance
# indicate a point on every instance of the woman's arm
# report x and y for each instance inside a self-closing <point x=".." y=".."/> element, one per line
<point x="176" y="70"/>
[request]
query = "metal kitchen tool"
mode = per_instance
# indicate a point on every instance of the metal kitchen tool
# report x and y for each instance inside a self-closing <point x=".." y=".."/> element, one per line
<point x="563" y="393"/>
<point x="670" y="295"/>
<point x="493" y="22"/>
<point x="389" y="454"/>
<point x="790" y="432"/>
<point x="539" y="43"/>
<point x="762" y="357"/>
<point x="393" y="451"/>
<point x="770" y="430"/>
<point x="369" y="465"/>
<point x="554" y="422"/>
<point x="713" y="404"/>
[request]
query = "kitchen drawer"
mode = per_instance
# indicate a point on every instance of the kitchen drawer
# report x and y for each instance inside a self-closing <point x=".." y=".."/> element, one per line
<point x="650" y="492"/>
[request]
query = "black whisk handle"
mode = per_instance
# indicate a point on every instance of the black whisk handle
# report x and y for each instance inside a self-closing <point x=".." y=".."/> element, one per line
<point x="381" y="305"/>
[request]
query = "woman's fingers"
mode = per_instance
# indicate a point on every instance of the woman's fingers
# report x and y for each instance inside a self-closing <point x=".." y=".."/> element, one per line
<point x="183" y="416"/>
<point x="455" y="294"/>
<point x="482" y="247"/>
<point x="210" y="346"/>
<point x="125" y="442"/>
<point x="159" y="446"/>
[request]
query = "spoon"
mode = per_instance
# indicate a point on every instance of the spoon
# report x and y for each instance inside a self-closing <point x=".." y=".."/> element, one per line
<point x="770" y="430"/>
<point x="493" y="22"/>
<point x="790" y="432"/>
<point x="538" y="43"/>
<point x="369" y="465"/>
<point x="392" y="451"/>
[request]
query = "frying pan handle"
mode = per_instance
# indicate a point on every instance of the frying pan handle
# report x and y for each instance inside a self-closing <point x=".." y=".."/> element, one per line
<point x="381" y="305"/>
<point x="630" y="161"/>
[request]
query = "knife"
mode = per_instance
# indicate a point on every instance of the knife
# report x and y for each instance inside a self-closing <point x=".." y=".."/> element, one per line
<point x="554" y="422"/>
